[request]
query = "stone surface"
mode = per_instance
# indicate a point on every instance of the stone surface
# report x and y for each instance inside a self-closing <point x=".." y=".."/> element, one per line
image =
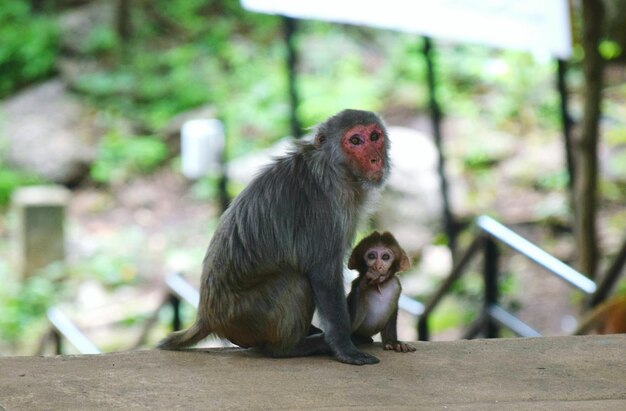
<point x="556" y="373"/>
<point x="40" y="236"/>
<point x="48" y="133"/>
<point x="78" y="23"/>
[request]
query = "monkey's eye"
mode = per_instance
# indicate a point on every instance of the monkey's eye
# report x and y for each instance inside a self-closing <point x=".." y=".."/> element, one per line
<point x="374" y="136"/>
<point x="371" y="256"/>
<point x="355" y="140"/>
<point x="386" y="257"/>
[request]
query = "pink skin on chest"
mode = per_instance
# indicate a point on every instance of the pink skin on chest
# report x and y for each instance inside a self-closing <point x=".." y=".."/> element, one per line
<point x="364" y="146"/>
<point x="377" y="303"/>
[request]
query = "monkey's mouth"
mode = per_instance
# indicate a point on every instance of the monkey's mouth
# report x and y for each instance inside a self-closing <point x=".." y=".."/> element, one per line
<point x="376" y="176"/>
<point x="377" y="280"/>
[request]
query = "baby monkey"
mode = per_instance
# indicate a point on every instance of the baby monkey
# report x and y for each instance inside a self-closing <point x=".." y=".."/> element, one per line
<point x="373" y="298"/>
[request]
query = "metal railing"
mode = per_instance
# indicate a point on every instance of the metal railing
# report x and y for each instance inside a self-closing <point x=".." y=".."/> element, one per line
<point x="63" y="329"/>
<point x="490" y="235"/>
<point x="180" y="290"/>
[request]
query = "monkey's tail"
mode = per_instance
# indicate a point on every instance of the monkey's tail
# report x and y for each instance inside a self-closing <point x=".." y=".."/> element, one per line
<point x="184" y="338"/>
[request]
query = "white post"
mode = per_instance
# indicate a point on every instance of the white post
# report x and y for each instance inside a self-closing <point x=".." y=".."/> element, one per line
<point x="202" y="145"/>
<point x="40" y="226"/>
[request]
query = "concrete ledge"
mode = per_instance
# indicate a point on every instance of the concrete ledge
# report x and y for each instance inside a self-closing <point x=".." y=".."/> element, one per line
<point x="556" y="373"/>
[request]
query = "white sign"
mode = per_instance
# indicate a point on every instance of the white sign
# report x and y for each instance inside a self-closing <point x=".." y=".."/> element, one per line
<point x="202" y="145"/>
<point x="531" y="25"/>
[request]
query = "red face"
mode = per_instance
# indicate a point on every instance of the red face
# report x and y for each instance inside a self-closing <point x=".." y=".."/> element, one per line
<point x="364" y="146"/>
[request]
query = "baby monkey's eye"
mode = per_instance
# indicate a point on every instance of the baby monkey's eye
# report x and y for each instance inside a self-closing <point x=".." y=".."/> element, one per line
<point x="374" y="136"/>
<point x="386" y="257"/>
<point x="371" y="256"/>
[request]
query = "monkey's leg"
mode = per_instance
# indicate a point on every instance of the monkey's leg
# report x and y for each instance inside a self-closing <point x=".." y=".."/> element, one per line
<point x="275" y="317"/>
<point x="389" y="336"/>
<point x="309" y="345"/>
<point x="330" y="300"/>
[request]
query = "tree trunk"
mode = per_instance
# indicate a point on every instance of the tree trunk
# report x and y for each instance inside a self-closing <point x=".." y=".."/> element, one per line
<point x="585" y="186"/>
<point x="123" y="24"/>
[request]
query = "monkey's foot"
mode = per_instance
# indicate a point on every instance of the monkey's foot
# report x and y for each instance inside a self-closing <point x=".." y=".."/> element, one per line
<point x="399" y="347"/>
<point x="356" y="357"/>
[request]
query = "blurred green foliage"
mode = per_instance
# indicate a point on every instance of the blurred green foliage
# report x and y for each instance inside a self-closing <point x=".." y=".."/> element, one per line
<point x="182" y="54"/>
<point x="465" y="300"/>
<point x="12" y="179"/>
<point x="187" y="53"/>
<point x="152" y="88"/>
<point x="23" y="304"/>
<point x="28" y="52"/>
<point x="101" y="40"/>
<point x="610" y="49"/>
<point x="555" y="181"/>
<point x="110" y="270"/>
<point x="28" y="45"/>
<point x="120" y="157"/>
<point x="501" y="86"/>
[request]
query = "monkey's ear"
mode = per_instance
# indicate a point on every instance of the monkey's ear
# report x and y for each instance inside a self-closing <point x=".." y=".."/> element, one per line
<point x="353" y="262"/>
<point x="320" y="138"/>
<point x="405" y="264"/>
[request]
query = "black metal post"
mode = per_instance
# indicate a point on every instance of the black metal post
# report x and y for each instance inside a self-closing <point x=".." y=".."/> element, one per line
<point x="476" y="326"/>
<point x="222" y="184"/>
<point x="610" y="278"/>
<point x="422" y="323"/>
<point x="176" y="323"/>
<point x="422" y="329"/>
<point x="491" y="286"/>
<point x="435" y="116"/>
<point x="57" y="340"/>
<point x="290" y="25"/>
<point x="566" y="120"/>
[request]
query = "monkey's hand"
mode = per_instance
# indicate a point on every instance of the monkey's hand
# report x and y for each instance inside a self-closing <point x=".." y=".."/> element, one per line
<point x="372" y="277"/>
<point x="355" y="357"/>
<point x="398" y="346"/>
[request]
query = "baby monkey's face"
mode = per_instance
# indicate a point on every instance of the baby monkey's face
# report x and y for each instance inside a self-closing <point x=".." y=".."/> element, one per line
<point x="379" y="260"/>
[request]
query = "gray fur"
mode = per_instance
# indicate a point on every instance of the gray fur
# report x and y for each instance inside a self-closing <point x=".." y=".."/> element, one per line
<point x="278" y="253"/>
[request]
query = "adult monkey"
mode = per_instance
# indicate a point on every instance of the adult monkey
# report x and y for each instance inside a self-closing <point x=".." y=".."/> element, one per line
<point x="278" y="251"/>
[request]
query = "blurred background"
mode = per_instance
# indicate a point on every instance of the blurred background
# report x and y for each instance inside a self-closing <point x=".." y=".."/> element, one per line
<point x="93" y="95"/>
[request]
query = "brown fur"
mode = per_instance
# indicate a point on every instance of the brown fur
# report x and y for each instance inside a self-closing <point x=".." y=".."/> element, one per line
<point x="357" y="262"/>
<point x="373" y="307"/>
